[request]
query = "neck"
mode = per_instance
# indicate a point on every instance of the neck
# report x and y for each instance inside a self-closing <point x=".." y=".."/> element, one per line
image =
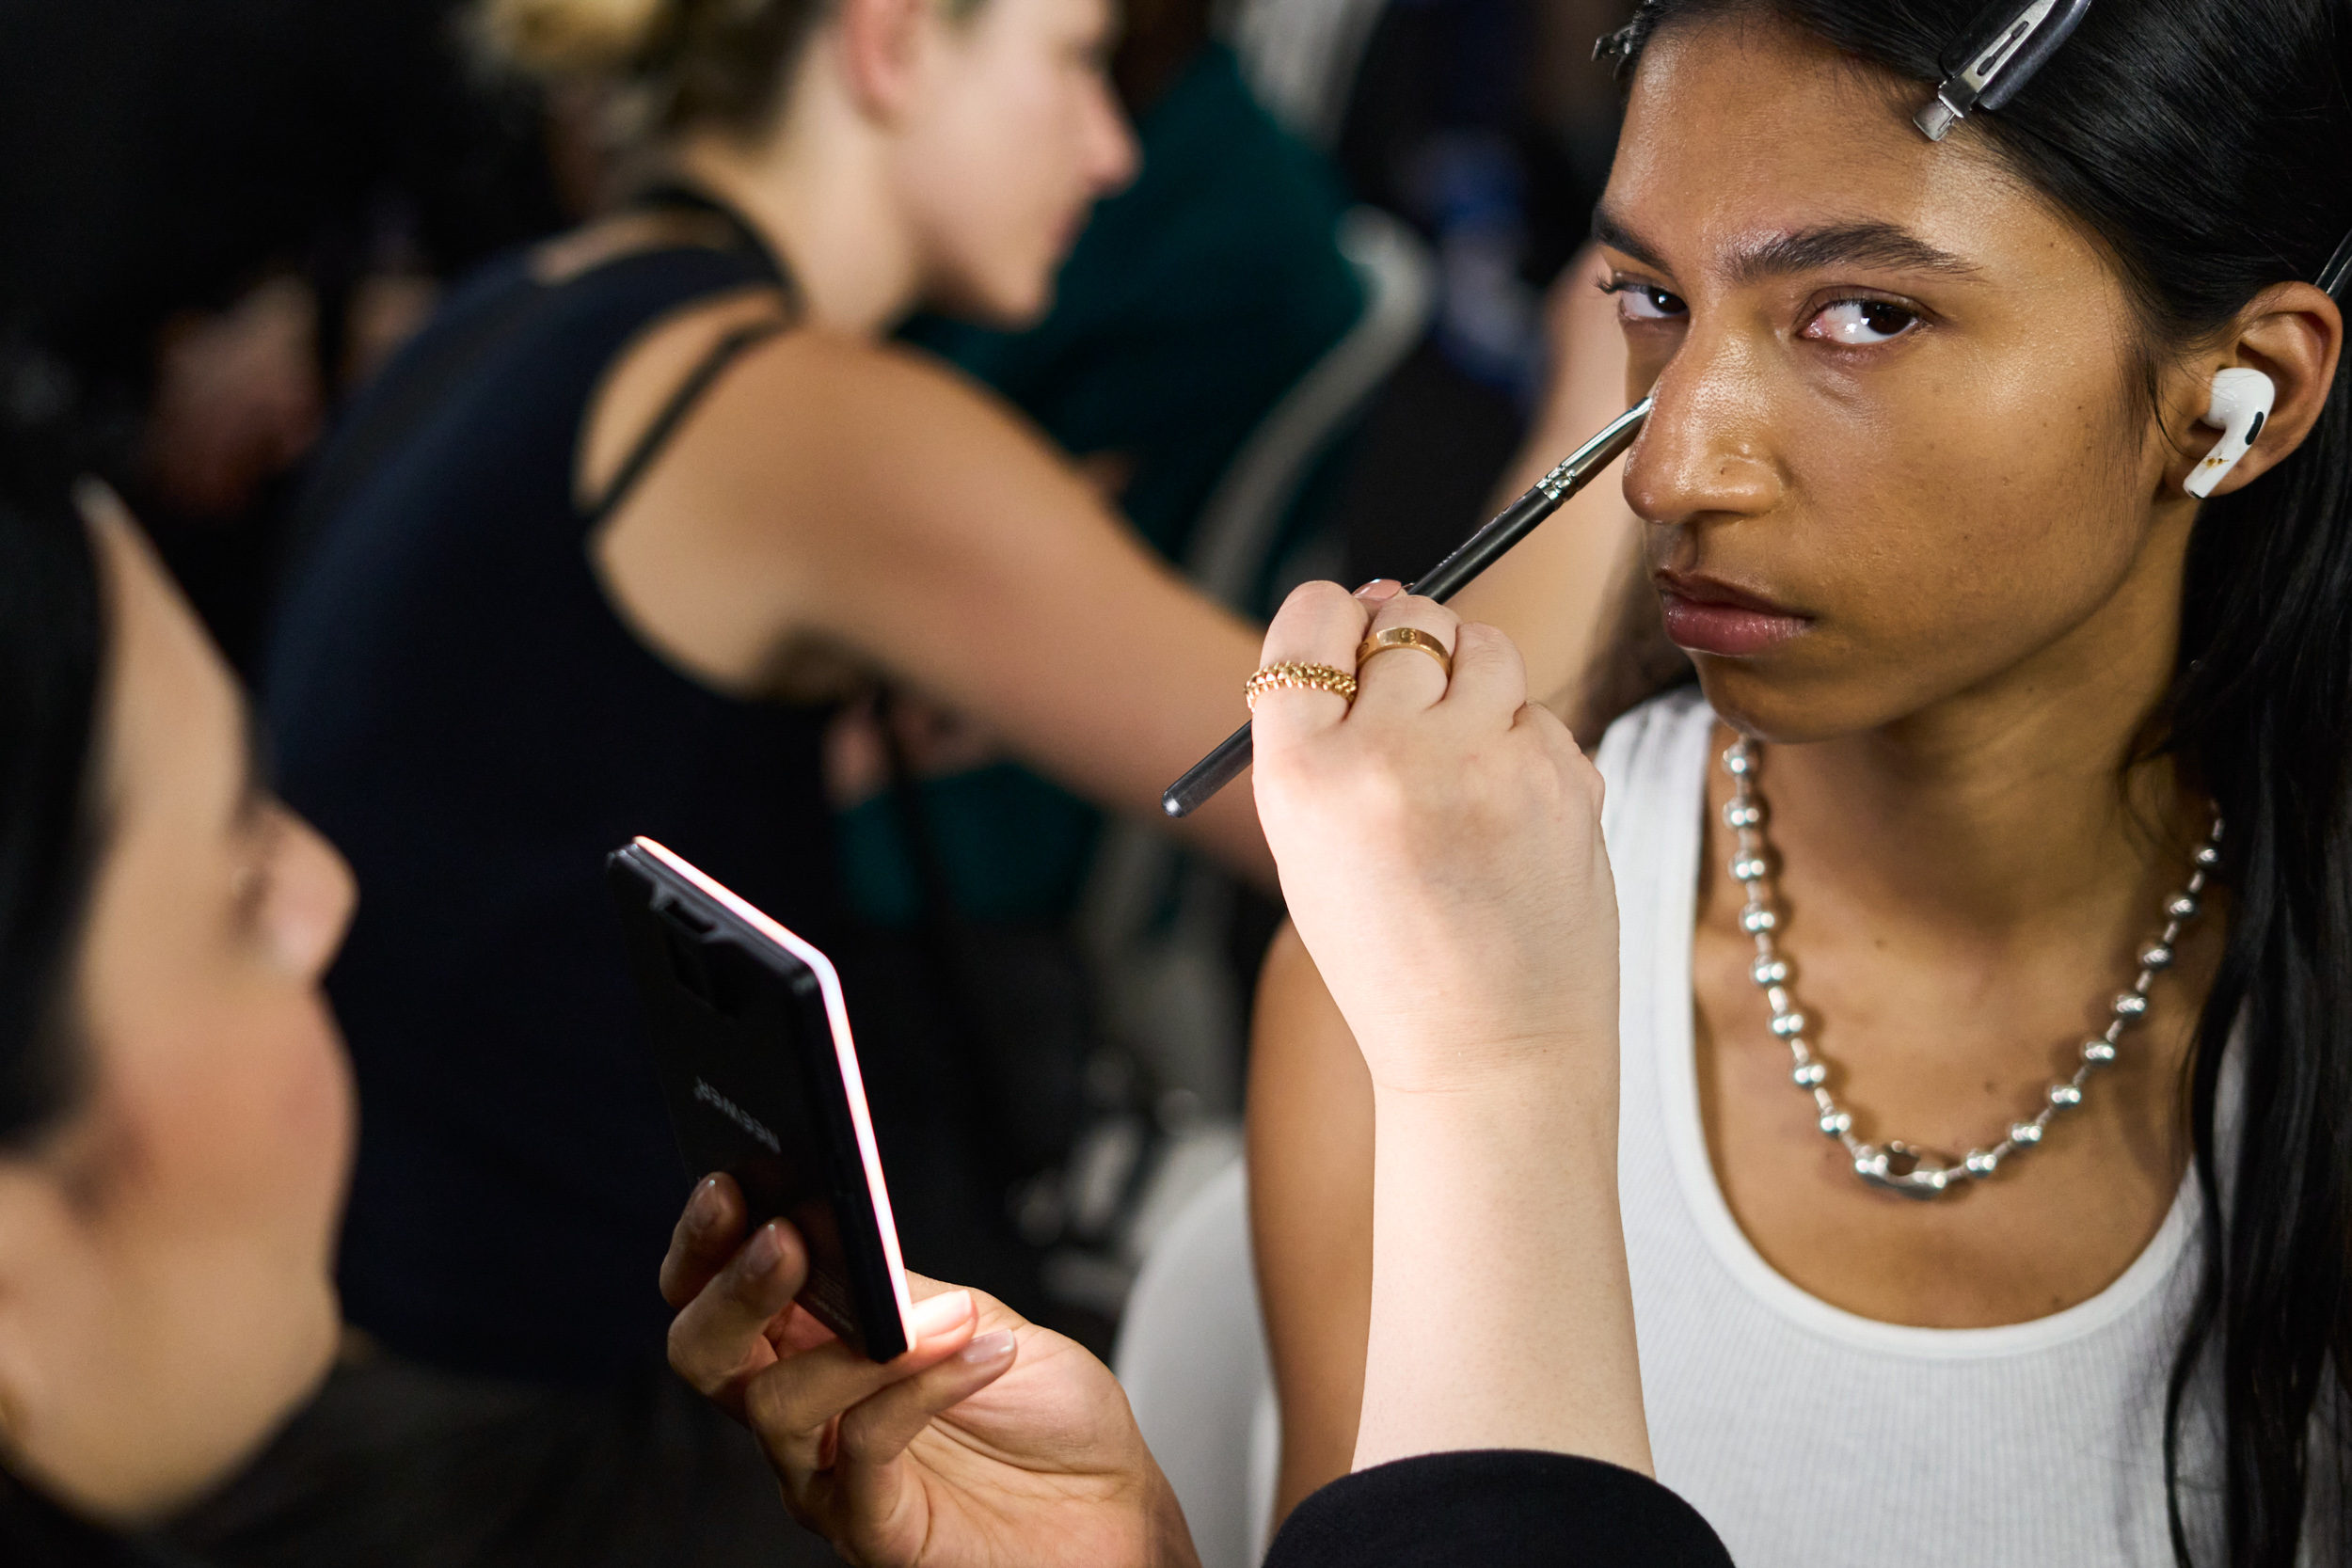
<point x="817" y="186"/>
<point x="2011" y="808"/>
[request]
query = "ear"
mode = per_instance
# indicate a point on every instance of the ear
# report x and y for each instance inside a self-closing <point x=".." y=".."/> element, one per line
<point x="882" y="44"/>
<point x="2293" y="334"/>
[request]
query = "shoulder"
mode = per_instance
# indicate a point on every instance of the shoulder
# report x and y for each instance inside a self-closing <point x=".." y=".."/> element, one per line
<point x="849" y="463"/>
<point x="1654" y="742"/>
<point x="834" y="404"/>
<point x="1653" y="768"/>
<point x="848" y="373"/>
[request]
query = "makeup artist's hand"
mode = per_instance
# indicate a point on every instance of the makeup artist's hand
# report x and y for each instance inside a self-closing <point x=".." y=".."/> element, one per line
<point x="992" y="1442"/>
<point x="1440" y="845"/>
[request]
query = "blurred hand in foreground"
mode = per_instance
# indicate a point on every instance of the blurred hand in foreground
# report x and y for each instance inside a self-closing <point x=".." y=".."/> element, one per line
<point x="992" y="1442"/>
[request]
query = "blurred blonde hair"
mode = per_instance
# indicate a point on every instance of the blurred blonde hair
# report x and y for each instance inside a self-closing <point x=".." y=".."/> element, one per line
<point x="666" y="64"/>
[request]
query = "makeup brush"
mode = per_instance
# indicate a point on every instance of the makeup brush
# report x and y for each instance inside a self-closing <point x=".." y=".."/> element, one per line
<point x="1441" y="582"/>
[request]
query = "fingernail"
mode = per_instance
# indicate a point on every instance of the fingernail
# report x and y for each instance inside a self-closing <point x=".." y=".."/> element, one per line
<point x="937" y="1315"/>
<point x="702" y="1209"/>
<point x="1367" y="591"/>
<point x="987" y="1348"/>
<point x="764" y="1251"/>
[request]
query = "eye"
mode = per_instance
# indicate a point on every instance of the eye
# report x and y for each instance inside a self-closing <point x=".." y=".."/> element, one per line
<point x="1861" y="323"/>
<point x="1641" y="302"/>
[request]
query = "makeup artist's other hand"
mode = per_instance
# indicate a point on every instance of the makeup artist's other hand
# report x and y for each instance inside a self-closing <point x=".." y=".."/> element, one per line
<point x="992" y="1442"/>
<point x="1440" y="845"/>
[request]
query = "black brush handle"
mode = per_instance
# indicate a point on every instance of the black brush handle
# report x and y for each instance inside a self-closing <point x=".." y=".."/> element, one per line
<point x="1440" y="582"/>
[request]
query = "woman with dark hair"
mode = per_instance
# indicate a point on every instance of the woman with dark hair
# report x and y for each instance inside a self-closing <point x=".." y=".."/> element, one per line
<point x="175" y="1110"/>
<point x="2011" y="817"/>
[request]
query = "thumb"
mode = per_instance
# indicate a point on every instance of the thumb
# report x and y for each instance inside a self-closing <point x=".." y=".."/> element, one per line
<point x="878" y="1430"/>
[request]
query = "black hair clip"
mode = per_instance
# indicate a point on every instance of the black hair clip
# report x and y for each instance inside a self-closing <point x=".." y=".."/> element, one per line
<point x="1614" y="48"/>
<point x="1998" y="59"/>
<point x="2338" y="271"/>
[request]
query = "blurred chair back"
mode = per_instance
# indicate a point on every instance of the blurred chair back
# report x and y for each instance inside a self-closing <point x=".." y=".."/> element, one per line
<point x="1159" y="925"/>
<point x="1192" y="1356"/>
<point x="1157" y="920"/>
<point x="1301" y="58"/>
<point x="1243" y="515"/>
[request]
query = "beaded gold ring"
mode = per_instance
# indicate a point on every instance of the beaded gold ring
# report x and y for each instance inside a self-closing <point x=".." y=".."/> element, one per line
<point x="1316" y="677"/>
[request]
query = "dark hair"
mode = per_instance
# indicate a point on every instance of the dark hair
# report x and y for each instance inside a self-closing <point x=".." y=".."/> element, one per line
<point x="2209" y="150"/>
<point x="52" y="659"/>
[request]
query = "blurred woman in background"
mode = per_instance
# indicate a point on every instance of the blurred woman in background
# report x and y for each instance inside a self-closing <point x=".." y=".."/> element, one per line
<point x="597" y="557"/>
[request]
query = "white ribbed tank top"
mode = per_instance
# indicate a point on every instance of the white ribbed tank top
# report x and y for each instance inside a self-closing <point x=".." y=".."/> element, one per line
<point x="1806" y="1435"/>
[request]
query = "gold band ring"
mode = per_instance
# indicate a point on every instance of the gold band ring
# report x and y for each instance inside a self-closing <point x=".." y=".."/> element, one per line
<point x="1406" y="637"/>
<point x="1316" y="677"/>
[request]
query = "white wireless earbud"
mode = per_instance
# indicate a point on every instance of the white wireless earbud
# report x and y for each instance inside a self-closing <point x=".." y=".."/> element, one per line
<point x="2241" y="406"/>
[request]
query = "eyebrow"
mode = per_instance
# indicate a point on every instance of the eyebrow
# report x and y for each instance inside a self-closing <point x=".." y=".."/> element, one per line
<point x="1868" y="244"/>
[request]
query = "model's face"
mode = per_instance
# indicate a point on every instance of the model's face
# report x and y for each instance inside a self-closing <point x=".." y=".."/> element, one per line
<point x="166" y="1257"/>
<point x="1016" y="136"/>
<point x="1895" y="460"/>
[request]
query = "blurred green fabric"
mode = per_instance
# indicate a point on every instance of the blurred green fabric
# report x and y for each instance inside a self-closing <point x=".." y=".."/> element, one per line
<point x="1194" y="299"/>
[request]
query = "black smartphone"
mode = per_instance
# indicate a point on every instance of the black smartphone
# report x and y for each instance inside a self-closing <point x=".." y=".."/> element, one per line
<point x="752" y="1042"/>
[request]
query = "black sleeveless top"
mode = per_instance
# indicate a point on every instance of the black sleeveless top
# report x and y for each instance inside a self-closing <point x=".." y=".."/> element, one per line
<point x="458" y="706"/>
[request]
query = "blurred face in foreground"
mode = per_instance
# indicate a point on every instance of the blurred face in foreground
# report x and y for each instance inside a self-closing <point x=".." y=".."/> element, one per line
<point x="164" y="1254"/>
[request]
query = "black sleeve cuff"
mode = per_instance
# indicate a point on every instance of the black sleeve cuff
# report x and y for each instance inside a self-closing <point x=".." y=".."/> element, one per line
<point x="1496" y="1508"/>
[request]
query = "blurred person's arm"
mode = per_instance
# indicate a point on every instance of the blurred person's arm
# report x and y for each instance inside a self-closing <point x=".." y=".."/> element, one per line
<point x="1310" y="1161"/>
<point x="830" y="495"/>
<point x="1561" y="593"/>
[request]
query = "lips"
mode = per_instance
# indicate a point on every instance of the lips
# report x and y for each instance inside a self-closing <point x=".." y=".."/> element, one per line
<point x="1707" y="616"/>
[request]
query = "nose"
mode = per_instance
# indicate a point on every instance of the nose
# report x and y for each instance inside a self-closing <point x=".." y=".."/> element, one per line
<point x="1705" y="451"/>
<point x="316" y="894"/>
<point x="1113" y="155"/>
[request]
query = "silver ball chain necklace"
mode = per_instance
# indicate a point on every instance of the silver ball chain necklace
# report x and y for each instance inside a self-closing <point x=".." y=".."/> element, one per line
<point x="1897" y="1167"/>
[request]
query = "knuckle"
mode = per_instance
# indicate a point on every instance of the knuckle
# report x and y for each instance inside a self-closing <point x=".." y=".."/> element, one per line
<point x="857" y="1438"/>
<point x="1320" y="593"/>
<point x="1480" y="640"/>
<point x="1376" y="782"/>
<point x="1311" y="604"/>
<point x="688" y="1359"/>
<point x="770" y="1404"/>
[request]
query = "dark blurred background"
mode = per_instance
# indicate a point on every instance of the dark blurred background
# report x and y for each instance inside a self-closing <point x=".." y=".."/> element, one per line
<point x="219" y="218"/>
